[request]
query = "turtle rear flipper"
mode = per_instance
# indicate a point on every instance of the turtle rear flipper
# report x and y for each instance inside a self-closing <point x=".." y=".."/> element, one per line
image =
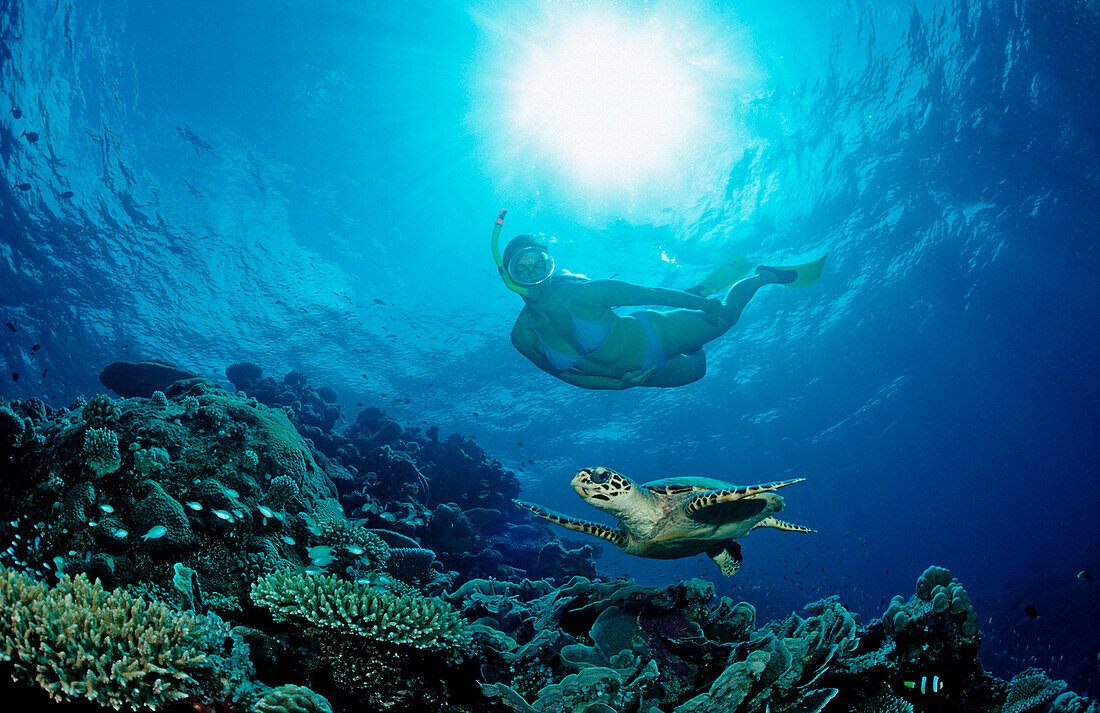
<point x="716" y="497"/>
<point x="782" y="525"/>
<point x="572" y="523"/>
<point x="728" y="558"/>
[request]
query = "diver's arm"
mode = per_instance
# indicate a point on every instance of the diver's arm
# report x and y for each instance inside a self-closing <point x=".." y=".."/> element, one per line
<point x="613" y="293"/>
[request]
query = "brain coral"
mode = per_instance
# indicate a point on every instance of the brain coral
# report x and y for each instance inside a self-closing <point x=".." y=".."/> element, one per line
<point x="292" y="699"/>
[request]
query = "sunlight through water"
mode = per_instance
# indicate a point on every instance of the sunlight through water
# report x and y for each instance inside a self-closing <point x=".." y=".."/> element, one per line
<point x="613" y="111"/>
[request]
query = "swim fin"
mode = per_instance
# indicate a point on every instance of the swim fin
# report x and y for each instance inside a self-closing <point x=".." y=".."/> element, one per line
<point x="804" y="275"/>
<point x="727" y="273"/>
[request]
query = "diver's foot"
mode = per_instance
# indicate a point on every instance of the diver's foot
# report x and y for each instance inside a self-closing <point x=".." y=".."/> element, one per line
<point x="781" y="277"/>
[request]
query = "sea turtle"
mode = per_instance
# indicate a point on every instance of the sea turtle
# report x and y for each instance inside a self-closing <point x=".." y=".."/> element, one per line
<point x="675" y="517"/>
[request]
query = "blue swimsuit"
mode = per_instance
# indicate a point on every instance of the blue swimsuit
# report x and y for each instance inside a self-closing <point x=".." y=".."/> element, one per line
<point x="591" y="335"/>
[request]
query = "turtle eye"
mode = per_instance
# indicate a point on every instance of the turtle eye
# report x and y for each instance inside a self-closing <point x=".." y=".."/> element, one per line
<point x="600" y="475"/>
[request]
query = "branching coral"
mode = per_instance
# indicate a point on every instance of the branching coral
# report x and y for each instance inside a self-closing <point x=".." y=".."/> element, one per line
<point x="1029" y="690"/>
<point x="77" y="640"/>
<point x="352" y="609"/>
<point x="101" y="451"/>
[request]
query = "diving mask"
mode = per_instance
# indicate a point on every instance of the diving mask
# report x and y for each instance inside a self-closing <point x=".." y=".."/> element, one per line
<point x="531" y="266"/>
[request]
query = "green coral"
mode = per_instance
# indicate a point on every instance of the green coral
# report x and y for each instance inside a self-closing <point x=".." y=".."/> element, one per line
<point x="885" y="702"/>
<point x="292" y="699"/>
<point x="1030" y="689"/>
<point x="160" y="508"/>
<point x="594" y="688"/>
<point x="351" y="544"/>
<point x="101" y="451"/>
<point x="77" y="640"/>
<point x="150" y="460"/>
<point x="100" y="412"/>
<point x="365" y="612"/>
<point x="281" y="490"/>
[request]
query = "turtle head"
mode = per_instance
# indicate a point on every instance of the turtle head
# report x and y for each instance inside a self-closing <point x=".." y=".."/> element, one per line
<point x="604" y="488"/>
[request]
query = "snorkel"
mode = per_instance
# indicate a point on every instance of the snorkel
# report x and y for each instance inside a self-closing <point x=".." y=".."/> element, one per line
<point x="500" y="260"/>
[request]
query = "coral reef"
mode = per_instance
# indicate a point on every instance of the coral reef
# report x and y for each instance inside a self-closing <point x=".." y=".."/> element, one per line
<point x="377" y="567"/>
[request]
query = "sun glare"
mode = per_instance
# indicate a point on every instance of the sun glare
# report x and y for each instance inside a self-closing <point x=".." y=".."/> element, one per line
<point x="610" y="107"/>
<point x="613" y="104"/>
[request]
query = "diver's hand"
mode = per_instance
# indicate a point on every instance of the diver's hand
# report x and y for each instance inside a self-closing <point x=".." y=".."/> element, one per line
<point x="636" y="377"/>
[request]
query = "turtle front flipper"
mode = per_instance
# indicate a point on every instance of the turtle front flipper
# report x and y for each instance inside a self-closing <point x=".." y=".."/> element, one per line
<point x="728" y="558"/>
<point x="782" y="525"/>
<point x="572" y="523"/>
<point x="715" y="497"/>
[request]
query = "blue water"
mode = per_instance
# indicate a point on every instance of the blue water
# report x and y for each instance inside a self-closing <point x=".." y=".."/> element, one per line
<point x="311" y="185"/>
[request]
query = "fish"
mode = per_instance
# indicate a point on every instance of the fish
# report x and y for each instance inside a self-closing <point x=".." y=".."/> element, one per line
<point x="66" y="195"/>
<point x="223" y="515"/>
<point x="319" y="551"/>
<point x="59" y="563"/>
<point x="1031" y="611"/>
<point x="355" y="550"/>
<point x="11" y="326"/>
<point x="155" y="532"/>
<point x="288" y="539"/>
<point x="265" y="511"/>
<point x="313" y="570"/>
<point x="378" y="302"/>
<point x="32" y="136"/>
<point x="120" y="534"/>
<point x="15" y="376"/>
<point x="232" y="493"/>
<point x="23" y="186"/>
<point x="35" y="347"/>
<point x="194" y="505"/>
<point x="928" y="685"/>
<point x="44" y="372"/>
<point x="106" y="508"/>
<point x="16" y="114"/>
<point x="1084" y="575"/>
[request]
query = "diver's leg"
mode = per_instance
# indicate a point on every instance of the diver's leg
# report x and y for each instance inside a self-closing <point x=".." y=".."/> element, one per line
<point x="743" y="291"/>
<point x="681" y="369"/>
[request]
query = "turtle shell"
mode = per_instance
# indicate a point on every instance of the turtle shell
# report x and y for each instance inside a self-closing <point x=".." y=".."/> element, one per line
<point x="685" y="484"/>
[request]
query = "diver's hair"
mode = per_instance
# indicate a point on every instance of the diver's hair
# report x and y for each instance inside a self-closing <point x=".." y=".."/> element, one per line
<point x="523" y="241"/>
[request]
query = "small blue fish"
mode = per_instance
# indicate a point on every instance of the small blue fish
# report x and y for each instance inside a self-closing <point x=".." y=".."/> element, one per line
<point x="265" y="511"/>
<point x="155" y="532"/>
<point x="106" y="508"/>
<point x="353" y="549"/>
<point x="121" y="534"/>
<point x="288" y="539"/>
<point x="223" y="515"/>
<point x="232" y="493"/>
<point x="194" y="506"/>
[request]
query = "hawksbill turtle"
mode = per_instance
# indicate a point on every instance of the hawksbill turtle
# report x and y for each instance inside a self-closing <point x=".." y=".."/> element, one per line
<point x="675" y="517"/>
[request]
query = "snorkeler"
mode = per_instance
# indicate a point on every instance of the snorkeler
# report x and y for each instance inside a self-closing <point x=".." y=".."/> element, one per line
<point x="569" y="328"/>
